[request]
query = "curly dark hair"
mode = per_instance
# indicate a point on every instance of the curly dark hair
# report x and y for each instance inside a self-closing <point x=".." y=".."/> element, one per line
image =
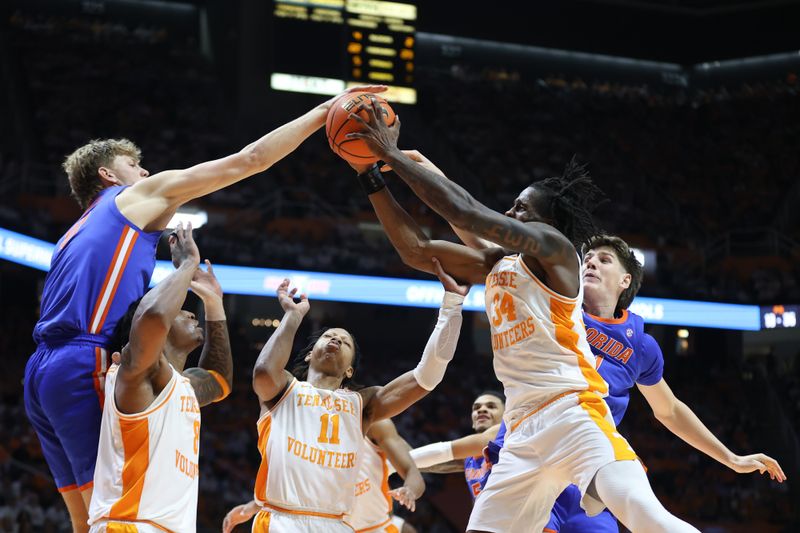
<point x="569" y="201"/>
<point x="299" y="364"/>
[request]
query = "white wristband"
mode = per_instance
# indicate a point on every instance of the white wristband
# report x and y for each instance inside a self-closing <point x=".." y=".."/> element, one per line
<point x="432" y="454"/>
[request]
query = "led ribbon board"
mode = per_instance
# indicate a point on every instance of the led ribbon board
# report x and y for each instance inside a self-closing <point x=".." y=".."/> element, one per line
<point x="256" y="281"/>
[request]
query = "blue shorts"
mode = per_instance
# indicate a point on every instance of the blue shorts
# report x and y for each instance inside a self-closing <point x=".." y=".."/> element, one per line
<point x="64" y="387"/>
<point x="568" y="516"/>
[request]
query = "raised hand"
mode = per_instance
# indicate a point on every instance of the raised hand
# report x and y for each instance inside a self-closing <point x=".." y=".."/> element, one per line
<point x="380" y="138"/>
<point x="205" y="283"/>
<point x="744" y="464"/>
<point x="448" y="282"/>
<point x="286" y="299"/>
<point x="182" y="246"/>
<point x="405" y="497"/>
<point x="360" y="88"/>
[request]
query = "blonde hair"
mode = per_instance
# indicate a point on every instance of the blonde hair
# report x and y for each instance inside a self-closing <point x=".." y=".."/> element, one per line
<point x="83" y="164"/>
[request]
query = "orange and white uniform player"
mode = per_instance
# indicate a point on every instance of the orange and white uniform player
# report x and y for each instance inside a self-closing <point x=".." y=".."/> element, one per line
<point x="311" y="429"/>
<point x="146" y="476"/>
<point x="385" y="452"/>
<point x="559" y="428"/>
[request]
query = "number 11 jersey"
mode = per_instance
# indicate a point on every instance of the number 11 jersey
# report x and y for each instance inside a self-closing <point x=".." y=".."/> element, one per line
<point x="310" y="443"/>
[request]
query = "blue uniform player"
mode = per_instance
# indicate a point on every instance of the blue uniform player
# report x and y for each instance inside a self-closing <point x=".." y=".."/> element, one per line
<point x="101" y="266"/>
<point x="626" y="356"/>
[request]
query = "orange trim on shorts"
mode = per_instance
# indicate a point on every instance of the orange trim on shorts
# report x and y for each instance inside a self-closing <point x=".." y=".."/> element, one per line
<point x="540" y="407"/>
<point x="99" y="374"/>
<point x="545" y="288"/>
<point x="72" y="487"/>
<point x="261" y="522"/>
<point x="226" y="389"/>
<point x="597" y="410"/>
<point x="136" y="521"/>
<point x="548" y="530"/>
<point x="302" y="513"/>
<point x="373" y="528"/>
<point x="620" y="320"/>
<point x="136" y="444"/>
<point x="567" y="338"/>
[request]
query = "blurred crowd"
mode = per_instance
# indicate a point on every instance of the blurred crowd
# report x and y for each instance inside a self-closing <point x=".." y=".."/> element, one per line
<point x="696" y="488"/>
<point x="685" y="174"/>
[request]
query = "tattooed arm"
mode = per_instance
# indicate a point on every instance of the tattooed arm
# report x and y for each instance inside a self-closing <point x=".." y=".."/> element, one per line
<point x="213" y="377"/>
<point x="541" y="243"/>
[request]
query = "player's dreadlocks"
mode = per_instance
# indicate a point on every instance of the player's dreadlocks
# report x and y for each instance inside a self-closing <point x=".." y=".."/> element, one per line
<point x="300" y="368"/>
<point x="570" y="199"/>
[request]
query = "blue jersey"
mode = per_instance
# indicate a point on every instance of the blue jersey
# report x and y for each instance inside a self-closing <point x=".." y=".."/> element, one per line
<point x="476" y="472"/>
<point x="625" y="355"/>
<point x="99" y="267"/>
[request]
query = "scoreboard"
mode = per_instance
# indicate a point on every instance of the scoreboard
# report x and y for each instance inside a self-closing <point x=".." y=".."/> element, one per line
<point x="779" y="316"/>
<point x="326" y="46"/>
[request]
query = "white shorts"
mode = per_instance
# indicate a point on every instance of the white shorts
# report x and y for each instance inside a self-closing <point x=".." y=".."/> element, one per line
<point x="398" y="522"/>
<point x="269" y="521"/>
<point x="566" y="441"/>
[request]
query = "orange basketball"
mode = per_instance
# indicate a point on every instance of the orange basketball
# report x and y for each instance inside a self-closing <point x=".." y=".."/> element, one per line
<point x="338" y="125"/>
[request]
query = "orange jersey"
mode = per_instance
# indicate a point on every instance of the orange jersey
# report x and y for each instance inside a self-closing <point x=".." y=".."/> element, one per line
<point x="538" y="339"/>
<point x="311" y="442"/>
<point x="373" y="506"/>
<point x="147" y="462"/>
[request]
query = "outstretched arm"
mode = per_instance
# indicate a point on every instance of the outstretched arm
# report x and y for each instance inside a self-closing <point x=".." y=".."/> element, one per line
<point x="681" y="420"/>
<point x="395" y="397"/>
<point x="540" y="241"/>
<point x="476" y="243"/>
<point x="448" y="456"/>
<point x="385" y="435"/>
<point x="151" y="202"/>
<point x="152" y="322"/>
<point x="269" y="376"/>
<point x="416" y="249"/>
<point x="213" y="377"/>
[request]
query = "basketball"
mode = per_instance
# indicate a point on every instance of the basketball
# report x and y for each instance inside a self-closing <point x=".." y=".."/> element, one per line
<point x="338" y="125"/>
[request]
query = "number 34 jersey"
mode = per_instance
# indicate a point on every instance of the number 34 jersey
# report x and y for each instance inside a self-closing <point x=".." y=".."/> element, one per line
<point x="538" y="339"/>
<point x="311" y="443"/>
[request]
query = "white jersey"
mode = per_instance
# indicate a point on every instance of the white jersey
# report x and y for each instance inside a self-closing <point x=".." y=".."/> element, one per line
<point x="373" y="506"/>
<point x="147" y="462"/>
<point x="311" y="442"/>
<point x="538" y="339"/>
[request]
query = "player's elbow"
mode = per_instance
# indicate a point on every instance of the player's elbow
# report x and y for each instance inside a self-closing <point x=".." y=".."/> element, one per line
<point x="155" y="317"/>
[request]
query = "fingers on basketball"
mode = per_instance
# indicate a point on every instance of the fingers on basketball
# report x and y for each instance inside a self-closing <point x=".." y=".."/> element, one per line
<point x="340" y="123"/>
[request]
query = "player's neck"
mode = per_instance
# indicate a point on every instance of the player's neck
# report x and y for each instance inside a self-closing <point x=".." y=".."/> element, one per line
<point x="321" y="381"/>
<point x="599" y="309"/>
<point x="175" y="356"/>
